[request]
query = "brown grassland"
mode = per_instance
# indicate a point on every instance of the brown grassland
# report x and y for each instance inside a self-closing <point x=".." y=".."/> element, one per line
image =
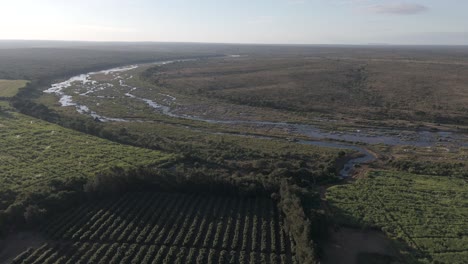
<point x="354" y="87"/>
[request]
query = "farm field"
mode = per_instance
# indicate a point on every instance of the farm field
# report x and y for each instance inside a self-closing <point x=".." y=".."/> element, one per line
<point x="167" y="228"/>
<point x="9" y="88"/>
<point x="427" y="213"/>
<point x="34" y="151"/>
<point x="36" y="157"/>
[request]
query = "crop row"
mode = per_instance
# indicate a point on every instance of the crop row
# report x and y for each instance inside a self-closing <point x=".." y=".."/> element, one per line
<point x="142" y="254"/>
<point x="182" y="220"/>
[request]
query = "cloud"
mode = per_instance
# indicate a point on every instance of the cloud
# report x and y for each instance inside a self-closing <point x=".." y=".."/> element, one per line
<point x="397" y="9"/>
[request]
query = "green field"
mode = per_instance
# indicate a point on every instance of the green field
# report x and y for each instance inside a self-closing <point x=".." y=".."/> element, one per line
<point x="36" y="155"/>
<point x="427" y="213"/>
<point x="42" y="161"/>
<point x="9" y="88"/>
<point x="167" y="228"/>
<point x="34" y="151"/>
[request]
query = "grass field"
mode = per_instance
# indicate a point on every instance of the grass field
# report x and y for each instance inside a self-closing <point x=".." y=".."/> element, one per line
<point x="167" y="228"/>
<point x="35" y="153"/>
<point x="9" y="88"/>
<point x="427" y="213"/>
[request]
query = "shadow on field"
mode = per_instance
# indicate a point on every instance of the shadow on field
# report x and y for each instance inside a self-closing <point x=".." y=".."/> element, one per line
<point x="351" y="241"/>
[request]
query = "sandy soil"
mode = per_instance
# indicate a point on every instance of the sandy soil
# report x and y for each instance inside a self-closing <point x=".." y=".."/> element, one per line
<point x="346" y="243"/>
<point x="14" y="244"/>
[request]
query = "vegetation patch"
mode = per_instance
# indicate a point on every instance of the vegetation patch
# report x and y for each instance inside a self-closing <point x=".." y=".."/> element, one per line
<point x="427" y="213"/>
<point x="9" y="88"/>
<point x="38" y="159"/>
<point x="34" y="151"/>
<point x="354" y="86"/>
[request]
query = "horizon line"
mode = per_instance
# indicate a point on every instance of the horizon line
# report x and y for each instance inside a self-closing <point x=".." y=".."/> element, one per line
<point x="228" y="43"/>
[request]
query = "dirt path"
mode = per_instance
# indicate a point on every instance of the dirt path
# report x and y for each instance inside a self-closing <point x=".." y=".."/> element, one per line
<point x="14" y="244"/>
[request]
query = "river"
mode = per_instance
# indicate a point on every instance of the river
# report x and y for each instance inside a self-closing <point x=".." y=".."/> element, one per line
<point x="319" y="137"/>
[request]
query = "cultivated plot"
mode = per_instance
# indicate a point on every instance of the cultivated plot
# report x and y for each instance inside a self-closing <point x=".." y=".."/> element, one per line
<point x="426" y="212"/>
<point x="167" y="228"/>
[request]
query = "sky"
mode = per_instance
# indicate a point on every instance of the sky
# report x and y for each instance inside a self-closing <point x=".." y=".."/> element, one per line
<point x="443" y="22"/>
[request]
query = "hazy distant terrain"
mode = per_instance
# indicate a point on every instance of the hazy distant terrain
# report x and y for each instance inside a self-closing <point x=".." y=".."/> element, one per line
<point x="378" y="85"/>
